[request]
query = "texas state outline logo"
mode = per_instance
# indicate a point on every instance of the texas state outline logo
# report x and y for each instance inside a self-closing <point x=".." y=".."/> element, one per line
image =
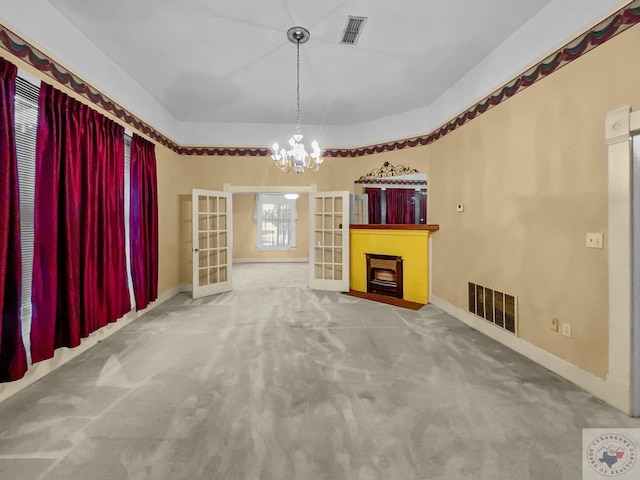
<point x="611" y="453"/>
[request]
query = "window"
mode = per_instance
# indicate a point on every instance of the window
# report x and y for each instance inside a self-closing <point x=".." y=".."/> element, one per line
<point x="127" y="211"/>
<point x="276" y="221"/>
<point x="26" y="126"/>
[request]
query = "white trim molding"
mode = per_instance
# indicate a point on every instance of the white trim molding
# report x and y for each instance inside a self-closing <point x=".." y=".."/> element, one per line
<point x="624" y="317"/>
<point x="227" y="187"/>
<point x="610" y="390"/>
<point x="271" y="260"/>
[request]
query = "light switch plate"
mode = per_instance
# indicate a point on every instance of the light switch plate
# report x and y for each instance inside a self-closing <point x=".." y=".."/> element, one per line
<point x="460" y="207"/>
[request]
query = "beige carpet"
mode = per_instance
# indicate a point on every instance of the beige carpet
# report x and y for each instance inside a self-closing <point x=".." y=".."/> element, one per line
<point x="274" y="381"/>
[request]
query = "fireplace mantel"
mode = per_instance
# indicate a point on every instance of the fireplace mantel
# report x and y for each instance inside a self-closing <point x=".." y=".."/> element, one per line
<point x="411" y="242"/>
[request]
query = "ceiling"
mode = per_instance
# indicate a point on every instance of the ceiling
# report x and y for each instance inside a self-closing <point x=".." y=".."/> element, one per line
<point x="215" y="67"/>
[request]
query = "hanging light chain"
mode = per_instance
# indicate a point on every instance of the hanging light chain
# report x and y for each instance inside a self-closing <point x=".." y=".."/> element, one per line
<point x="298" y="85"/>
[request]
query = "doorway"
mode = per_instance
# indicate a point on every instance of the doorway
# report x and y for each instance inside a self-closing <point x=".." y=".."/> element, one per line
<point x="268" y="268"/>
<point x="270" y="229"/>
<point x="265" y="267"/>
<point x="328" y="233"/>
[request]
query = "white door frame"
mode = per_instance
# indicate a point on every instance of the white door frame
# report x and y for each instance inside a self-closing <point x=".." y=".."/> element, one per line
<point x="227" y="187"/>
<point x="623" y="234"/>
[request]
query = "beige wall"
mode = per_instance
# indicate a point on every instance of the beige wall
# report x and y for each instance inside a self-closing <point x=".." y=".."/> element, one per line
<point x="532" y="175"/>
<point x="211" y="173"/>
<point x="169" y="166"/>
<point x="334" y="174"/>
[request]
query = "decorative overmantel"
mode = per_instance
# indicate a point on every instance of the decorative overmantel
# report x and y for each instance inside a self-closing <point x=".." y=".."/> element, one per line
<point x="397" y="176"/>
<point x="394" y="194"/>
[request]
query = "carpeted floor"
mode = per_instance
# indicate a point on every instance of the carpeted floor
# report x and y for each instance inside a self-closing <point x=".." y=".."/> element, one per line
<point x="274" y="381"/>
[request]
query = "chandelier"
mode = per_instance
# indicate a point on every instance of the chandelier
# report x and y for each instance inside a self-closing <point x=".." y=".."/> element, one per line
<point x="297" y="158"/>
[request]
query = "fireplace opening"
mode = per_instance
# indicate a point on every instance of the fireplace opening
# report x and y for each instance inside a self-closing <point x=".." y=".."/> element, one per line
<point x="384" y="275"/>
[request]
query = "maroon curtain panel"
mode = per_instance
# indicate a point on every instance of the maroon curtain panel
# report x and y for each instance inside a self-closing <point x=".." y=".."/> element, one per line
<point x="400" y="206"/>
<point x="79" y="279"/>
<point x="375" y="210"/>
<point x="144" y="222"/>
<point x="13" y="357"/>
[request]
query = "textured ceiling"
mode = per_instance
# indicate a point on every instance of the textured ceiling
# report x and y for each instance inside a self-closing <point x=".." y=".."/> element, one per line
<point x="230" y="61"/>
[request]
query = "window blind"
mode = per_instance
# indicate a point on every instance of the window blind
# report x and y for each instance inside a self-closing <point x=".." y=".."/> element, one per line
<point x="26" y="124"/>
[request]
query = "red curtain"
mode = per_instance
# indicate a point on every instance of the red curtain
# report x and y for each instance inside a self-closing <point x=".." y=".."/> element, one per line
<point x="375" y="211"/>
<point x="13" y="357"/>
<point x="144" y="222"/>
<point x="79" y="272"/>
<point x="400" y="206"/>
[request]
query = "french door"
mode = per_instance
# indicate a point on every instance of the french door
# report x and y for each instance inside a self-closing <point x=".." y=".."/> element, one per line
<point x="329" y="241"/>
<point x="212" y="242"/>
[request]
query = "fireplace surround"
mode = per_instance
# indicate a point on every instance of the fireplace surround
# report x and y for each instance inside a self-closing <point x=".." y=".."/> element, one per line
<point x="411" y="242"/>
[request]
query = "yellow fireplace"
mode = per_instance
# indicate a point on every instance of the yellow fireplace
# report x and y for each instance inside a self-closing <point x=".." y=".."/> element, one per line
<point x="411" y="242"/>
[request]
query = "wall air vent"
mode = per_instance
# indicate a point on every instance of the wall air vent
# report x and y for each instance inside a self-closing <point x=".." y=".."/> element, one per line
<point x="352" y="30"/>
<point x="496" y="307"/>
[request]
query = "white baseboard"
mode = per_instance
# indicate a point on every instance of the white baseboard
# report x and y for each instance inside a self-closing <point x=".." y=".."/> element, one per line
<point x="611" y="391"/>
<point x="63" y="355"/>
<point x="271" y="260"/>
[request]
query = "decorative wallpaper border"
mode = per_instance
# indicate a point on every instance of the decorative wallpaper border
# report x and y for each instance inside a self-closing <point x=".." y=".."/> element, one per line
<point x="20" y="48"/>
<point x="225" y="151"/>
<point x="601" y="33"/>
<point x="604" y="31"/>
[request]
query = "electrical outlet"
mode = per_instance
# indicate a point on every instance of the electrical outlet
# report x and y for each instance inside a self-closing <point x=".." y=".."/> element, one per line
<point x="595" y="240"/>
<point x="566" y="329"/>
<point x="460" y="207"/>
<point x="554" y="324"/>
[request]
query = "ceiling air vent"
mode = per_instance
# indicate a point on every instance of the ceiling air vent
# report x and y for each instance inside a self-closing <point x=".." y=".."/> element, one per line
<point x="352" y="30"/>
